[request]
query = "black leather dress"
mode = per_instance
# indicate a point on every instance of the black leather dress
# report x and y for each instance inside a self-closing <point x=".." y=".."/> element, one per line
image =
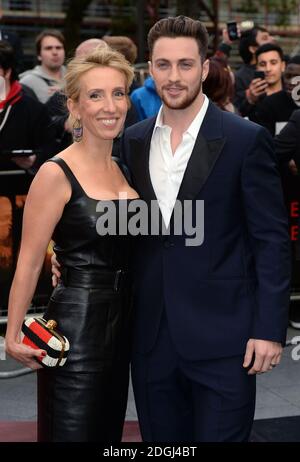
<point x="85" y="400"/>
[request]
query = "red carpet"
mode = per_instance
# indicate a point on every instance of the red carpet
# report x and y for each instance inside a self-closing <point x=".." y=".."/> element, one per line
<point x="26" y="432"/>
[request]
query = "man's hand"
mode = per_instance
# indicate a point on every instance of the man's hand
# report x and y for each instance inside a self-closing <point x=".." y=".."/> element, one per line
<point x="225" y="35"/>
<point x="24" y="162"/>
<point x="55" y="271"/>
<point x="256" y="89"/>
<point x="267" y="355"/>
<point x="293" y="167"/>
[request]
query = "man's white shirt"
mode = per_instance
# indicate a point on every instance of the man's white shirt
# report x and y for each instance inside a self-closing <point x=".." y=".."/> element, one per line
<point x="167" y="169"/>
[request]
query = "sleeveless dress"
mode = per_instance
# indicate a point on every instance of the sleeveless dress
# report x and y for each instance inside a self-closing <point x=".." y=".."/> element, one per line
<point x="85" y="400"/>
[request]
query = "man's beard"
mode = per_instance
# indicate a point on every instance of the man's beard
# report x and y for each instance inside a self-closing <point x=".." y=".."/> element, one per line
<point x="182" y="103"/>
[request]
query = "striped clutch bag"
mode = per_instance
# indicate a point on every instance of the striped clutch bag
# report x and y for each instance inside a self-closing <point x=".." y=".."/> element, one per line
<point x="41" y="334"/>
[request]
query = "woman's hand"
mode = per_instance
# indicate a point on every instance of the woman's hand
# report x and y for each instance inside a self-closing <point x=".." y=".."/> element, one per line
<point x="24" y="354"/>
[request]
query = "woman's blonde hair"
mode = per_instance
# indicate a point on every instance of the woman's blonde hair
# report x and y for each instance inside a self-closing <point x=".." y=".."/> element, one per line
<point x="100" y="57"/>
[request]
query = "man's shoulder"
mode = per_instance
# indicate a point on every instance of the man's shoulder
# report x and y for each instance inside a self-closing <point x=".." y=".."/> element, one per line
<point x="296" y="116"/>
<point x="279" y="104"/>
<point x="34" y="74"/>
<point x="239" y="125"/>
<point x="276" y="99"/>
<point x="30" y="75"/>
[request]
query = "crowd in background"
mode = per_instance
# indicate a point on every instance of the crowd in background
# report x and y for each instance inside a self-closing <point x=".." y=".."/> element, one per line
<point x="264" y="89"/>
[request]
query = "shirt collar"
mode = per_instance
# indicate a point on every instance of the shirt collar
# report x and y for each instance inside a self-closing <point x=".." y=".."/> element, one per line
<point x="195" y="126"/>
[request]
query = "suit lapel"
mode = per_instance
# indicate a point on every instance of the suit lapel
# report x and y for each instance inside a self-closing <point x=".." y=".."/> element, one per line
<point x="207" y="148"/>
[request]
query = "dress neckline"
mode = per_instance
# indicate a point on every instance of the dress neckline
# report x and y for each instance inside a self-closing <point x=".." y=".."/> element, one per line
<point x="84" y="192"/>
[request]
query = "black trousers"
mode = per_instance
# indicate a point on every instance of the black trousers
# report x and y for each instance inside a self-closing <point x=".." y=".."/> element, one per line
<point x="191" y="401"/>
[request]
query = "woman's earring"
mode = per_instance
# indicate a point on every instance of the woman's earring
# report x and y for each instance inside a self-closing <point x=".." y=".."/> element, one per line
<point x="77" y="131"/>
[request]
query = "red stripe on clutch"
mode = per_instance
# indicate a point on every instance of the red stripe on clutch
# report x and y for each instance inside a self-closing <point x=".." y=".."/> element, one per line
<point x="29" y="343"/>
<point x="40" y="331"/>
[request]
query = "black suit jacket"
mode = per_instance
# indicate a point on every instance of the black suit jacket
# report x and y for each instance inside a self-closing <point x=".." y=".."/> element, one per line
<point x="235" y="285"/>
<point x="287" y="143"/>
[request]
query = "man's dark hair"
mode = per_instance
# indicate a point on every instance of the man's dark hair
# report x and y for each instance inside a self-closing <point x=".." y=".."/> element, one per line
<point x="46" y="33"/>
<point x="7" y="59"/>
<point x="269" y="47"/>
<point x="179" y="26"/>
<point x="248" y="39"/>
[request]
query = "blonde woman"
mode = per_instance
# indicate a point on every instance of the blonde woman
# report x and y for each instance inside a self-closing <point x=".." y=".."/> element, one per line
<point x="85" y="400"/>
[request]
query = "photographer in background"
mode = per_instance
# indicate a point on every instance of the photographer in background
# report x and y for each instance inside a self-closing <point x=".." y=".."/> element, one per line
<point x="267" y="79"/>
<point x="276" y="108"/>
<point x="250" y="40"/>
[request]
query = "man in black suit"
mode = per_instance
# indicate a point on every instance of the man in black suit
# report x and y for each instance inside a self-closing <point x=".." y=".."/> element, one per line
<point x="210" y="315"/>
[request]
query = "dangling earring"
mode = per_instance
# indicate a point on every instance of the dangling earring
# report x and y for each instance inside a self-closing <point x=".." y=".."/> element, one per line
<point x="77" y="131"/>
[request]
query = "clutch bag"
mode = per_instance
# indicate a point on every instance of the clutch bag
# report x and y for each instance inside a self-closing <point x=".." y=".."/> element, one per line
<point x="41" y="334"/>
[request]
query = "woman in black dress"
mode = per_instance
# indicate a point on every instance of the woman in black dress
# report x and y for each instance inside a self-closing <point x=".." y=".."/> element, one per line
<point x="85" y="400"/>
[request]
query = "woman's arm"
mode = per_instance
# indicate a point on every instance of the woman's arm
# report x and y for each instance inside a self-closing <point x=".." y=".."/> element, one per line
<point x="48" y="194"/>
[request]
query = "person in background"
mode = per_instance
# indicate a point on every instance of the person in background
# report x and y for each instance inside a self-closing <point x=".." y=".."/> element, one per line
<point x="146" y="99"/>
<point x="24" y="121"/>
<point x="24" y="125"/>
<point x="270" y="61"/>
<point x="274" y="110"/>
<point x="218" y="85"/>
<point x="14" y="40"/>
<point x="250" y="40"/>
<point x="47" y="77"/>
<point x="127" y="47"/>
<point x="224" y="48"/>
